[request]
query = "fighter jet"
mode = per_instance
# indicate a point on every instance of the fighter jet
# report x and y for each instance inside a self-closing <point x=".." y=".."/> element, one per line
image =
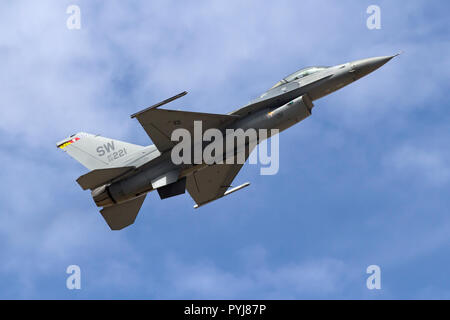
<point x="121" y="173"/>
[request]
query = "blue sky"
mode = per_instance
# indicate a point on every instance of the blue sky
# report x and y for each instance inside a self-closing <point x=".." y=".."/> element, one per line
<point x="363" y="181"/>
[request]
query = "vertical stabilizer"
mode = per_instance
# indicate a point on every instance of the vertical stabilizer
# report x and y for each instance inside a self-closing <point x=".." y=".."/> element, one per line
<point x="97" y="152"/>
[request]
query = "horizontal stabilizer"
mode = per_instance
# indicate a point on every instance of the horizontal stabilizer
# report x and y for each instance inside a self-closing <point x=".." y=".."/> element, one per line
<point x="123" y="214"/>
<point x="99" y="177"/>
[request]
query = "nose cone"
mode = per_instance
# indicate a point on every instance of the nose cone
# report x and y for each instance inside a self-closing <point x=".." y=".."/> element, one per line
<point x="365" y="66"/>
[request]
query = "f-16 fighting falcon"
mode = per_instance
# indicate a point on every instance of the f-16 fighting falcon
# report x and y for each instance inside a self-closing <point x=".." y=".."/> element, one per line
<point x="121" y="174"/>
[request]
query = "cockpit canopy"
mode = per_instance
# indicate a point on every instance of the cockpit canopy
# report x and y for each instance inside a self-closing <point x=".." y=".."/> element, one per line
<point x="299" y="74"/>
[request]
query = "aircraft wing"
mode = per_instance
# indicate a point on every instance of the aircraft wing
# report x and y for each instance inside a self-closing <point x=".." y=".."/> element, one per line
<point x="212" y="182"/>
<point x="160" y="123"/>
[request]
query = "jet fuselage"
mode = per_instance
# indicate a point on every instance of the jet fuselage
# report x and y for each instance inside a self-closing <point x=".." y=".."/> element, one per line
<point x="282" y="106"/>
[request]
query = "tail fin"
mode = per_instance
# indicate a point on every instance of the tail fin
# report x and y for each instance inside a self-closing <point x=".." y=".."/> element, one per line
<point x="96" y="152"/>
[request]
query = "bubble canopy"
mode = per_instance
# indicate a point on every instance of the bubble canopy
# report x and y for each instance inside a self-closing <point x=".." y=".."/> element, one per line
<point x="299" y="74"/>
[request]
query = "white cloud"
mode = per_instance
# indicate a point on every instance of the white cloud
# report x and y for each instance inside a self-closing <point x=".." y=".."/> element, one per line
<point x="420" y="163"/>
<point x="43" y="230"/>
<point x="250" y="278"/>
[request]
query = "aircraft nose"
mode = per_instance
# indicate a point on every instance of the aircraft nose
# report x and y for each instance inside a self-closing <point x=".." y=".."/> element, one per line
<point x="365" y="66"/>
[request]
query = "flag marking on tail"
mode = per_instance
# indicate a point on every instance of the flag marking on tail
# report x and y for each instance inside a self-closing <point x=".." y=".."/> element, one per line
<point x="65" y="144"/>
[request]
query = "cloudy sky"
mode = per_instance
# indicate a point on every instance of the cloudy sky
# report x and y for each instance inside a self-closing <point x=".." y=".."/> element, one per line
<point x="363" y="181"/>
